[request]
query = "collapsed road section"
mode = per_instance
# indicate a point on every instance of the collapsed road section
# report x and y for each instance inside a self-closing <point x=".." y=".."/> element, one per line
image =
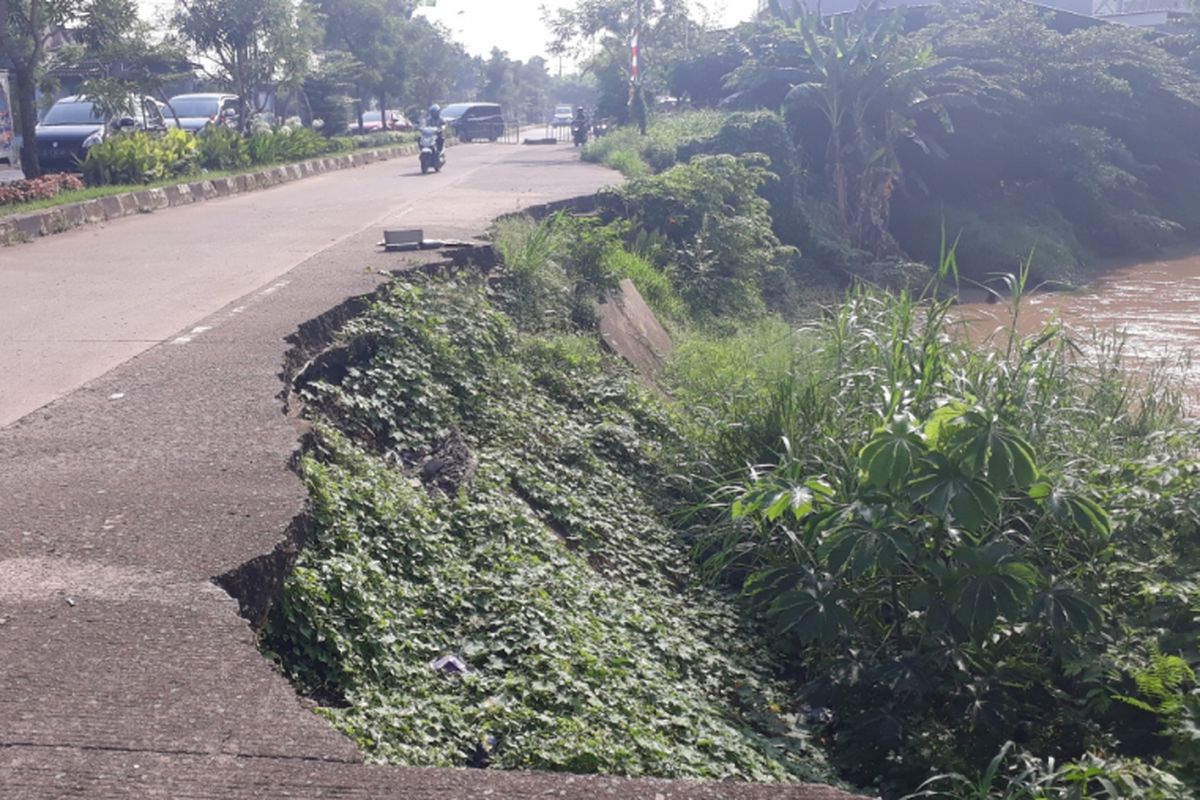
<point x="124" y="671"/>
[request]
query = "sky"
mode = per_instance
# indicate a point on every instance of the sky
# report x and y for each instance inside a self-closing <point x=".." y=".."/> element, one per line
<point x="515" y="26"/>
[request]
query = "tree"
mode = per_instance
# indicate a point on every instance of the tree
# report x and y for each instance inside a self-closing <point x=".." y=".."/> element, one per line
<point x="863" y="89"/>
<point x="522" y="87"/>
<point x="258" y="46"/>
<point x="665" y="29"/>
<point x="429" y="65"/>
<point x="374" y="32"/>
<point x="26" y="29"/>
<point x="132" y="61"/>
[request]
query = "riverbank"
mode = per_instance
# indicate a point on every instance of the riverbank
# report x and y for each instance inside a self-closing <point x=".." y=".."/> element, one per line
<point x="127" y="672"/>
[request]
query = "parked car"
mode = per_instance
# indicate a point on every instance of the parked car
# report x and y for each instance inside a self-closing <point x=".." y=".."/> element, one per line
<point x="195" y="112"/>
<point x="474" y="120"/>
<point x="372" y="122"/>
<point x="562" y="115"/>
<point x="75" y="124"/>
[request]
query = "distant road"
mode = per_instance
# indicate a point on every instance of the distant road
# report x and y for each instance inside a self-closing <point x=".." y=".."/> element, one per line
<point x="7" y="174"/>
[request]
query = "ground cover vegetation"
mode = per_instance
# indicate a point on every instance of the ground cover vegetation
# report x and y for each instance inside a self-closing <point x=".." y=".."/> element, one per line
<point x="493" y="582"/>
<point x="933" y="568"/>
<point x="44" y="188"/>
<point x="849" y="545"/>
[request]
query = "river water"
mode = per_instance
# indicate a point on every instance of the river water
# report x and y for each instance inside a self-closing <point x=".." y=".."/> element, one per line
<point x="1156" y="304"/>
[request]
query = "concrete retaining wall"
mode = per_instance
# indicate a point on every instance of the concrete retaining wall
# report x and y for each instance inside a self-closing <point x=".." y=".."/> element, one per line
<point x="19" y="228"/>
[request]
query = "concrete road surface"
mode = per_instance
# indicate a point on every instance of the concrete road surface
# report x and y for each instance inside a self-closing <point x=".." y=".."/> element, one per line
<point x="7" y="174"/>
<point x="144" y="450"/>
<point x="76" y="305"/>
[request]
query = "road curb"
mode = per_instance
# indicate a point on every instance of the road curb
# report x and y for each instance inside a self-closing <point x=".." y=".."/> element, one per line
<point x="20" y="228"/>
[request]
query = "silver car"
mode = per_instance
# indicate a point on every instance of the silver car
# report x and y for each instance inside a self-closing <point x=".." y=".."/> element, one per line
<point x="195" y="112"/>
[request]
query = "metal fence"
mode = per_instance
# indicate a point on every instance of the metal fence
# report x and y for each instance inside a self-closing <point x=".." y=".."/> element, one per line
<point x="520" y="133"/>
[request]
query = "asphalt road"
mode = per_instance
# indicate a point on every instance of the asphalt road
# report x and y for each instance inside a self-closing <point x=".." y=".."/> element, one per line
<point x="144" y="450"/>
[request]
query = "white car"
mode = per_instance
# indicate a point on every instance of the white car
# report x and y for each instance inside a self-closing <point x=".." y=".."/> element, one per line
<point x="562" y="115"/>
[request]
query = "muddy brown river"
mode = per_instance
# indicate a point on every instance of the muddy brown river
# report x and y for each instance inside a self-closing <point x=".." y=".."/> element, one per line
<point x="1155" y="303"/>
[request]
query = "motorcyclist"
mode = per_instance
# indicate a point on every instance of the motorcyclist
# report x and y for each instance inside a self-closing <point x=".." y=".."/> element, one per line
<point x="435" y="121"/>
<point x="579" y="126"/>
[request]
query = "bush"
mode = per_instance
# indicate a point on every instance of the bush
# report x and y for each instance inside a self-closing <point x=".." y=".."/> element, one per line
<point x="996" y="238"/>
<point x="379" y="139"/>
<point x="223" y="149"/>
<point x="43" y="188"/>
<point x="625" y="149"/>
<point x="955" y="548"/>
<point x="719" y="227"/>
<point x="287" y="144"/>
<point x="763" y="132"/>
<point x="143" y="158"/>
<point x="139" y="157"/>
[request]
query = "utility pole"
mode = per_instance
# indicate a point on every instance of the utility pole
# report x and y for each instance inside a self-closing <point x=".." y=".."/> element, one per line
<point x="637" y="98"/>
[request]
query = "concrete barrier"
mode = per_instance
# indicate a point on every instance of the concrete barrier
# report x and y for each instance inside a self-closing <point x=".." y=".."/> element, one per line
<point x="18" y="228"/>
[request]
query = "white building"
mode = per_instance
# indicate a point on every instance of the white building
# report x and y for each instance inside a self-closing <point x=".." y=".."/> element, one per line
<point x="1159" y="14"/>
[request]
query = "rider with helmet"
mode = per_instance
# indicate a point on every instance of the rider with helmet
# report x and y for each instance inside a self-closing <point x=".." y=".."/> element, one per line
<point x="579" y="127"/>
<point x="435" y="121"/>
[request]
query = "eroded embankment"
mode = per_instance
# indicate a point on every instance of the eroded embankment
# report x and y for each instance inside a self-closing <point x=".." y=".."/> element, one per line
<point x="315" y="353"/>
<point x="488" y="575"/>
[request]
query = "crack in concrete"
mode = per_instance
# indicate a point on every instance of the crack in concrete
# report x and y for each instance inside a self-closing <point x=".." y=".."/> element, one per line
<point x="99" y="748"/>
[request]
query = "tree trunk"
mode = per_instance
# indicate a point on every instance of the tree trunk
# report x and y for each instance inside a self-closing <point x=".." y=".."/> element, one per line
<point x="26" y="108"/>
<point x="383" y="117"/>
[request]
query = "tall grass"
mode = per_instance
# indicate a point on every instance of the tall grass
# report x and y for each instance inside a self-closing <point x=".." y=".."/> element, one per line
<point x="634" y="155"/>
<point x="822" y="388"/>
<point x="651" y="281"/>
<point x="537" y="288"/>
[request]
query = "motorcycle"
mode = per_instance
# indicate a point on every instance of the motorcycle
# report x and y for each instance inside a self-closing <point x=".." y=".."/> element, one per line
<point x="579" y="132"/>
<point x="433" y="151"/>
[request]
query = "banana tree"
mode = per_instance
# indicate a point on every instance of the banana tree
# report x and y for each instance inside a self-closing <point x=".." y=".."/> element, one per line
<point x="864" y="89"/>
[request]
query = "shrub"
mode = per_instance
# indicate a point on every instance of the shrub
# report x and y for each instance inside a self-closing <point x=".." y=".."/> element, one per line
<point x="763" y="132"/>
<point x="286" y="144"/>
<point x="626" y="150"/>
<point x="993" y="238"/>
<point x="956" y="548"/>
<point x="222" y="148"/>
<point x="719" y="227"/>
<point x="140" y="157"/>
<point x="378" y="139"/>
<point x="43" y="188"/>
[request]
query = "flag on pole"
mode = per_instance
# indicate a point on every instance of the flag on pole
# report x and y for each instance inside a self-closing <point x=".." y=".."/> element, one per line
<point x="634" y="49"/>
<point x="635" y="76"/>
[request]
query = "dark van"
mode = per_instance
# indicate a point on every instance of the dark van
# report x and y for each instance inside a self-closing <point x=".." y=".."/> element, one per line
<point x="474" y="120"/>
